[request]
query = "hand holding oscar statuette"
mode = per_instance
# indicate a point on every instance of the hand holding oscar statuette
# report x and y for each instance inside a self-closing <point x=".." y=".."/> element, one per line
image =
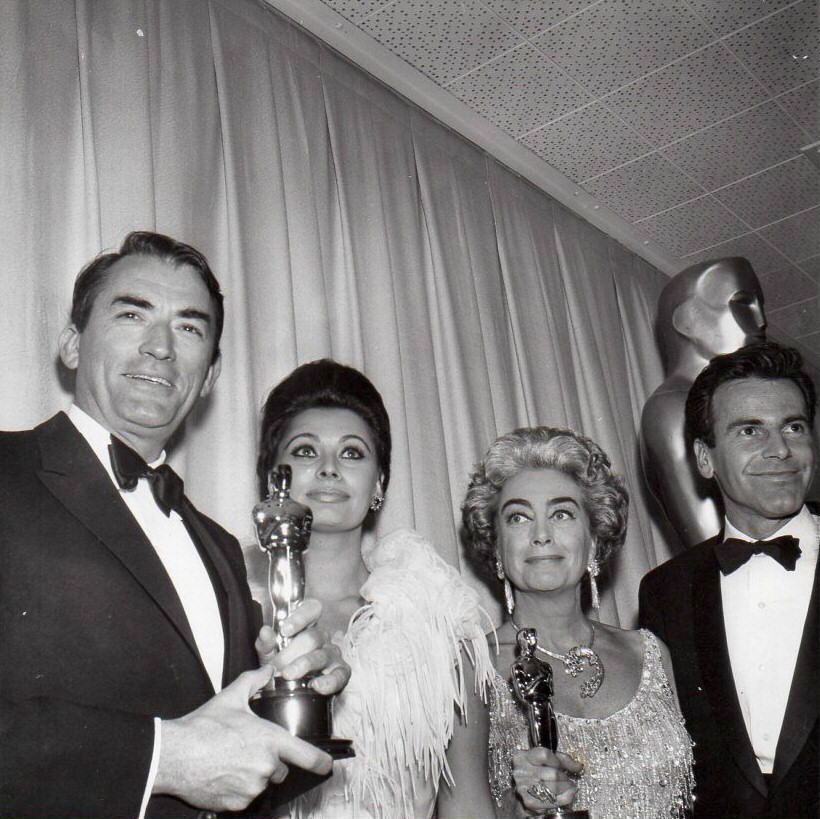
<point x="283" y="533"/>
<point x="531" y="680"/>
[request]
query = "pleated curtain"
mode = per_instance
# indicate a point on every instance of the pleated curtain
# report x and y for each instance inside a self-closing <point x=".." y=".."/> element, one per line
<point x="341" y="221"/>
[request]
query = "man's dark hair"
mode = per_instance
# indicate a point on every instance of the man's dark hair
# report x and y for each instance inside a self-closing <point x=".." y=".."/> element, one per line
<point x="155" y="246"/>
<point x="323" y="383"/>
<point x="767" y="360"/>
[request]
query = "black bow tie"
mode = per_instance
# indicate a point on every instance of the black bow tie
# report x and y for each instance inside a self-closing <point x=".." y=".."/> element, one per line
<point x="733" y="552"/>
<point x="129" y="466"/>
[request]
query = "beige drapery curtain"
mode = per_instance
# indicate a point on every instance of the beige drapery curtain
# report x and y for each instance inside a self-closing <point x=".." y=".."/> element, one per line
<point x="341" y="222"/>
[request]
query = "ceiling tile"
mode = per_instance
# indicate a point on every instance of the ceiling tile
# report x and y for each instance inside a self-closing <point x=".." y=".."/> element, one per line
<point x="643" y="187"/>
<point x="738" y="147"/>
<point x="691" y="94"/>
<point x="812" y="267"/>
<point x="763" y="257"/>
<point x="702" y="223"/>
<point x="726" y="16"/>
<point x="441" y="38"/>
<point x="586" y="142"/>
<point x="774" y="194"/>
<point x="797" y="319"/>
<point x="783" y="50"/>
<point x="786" y="286"/>
<point x="803" y="105"/>
<point x="812" y="342"/>
<point x="355" y="10"/>
<point x="797" y="237"/>
<point x="532" y="17"/>
<point x="616" y="41"/>
<point x="519" y="90"/>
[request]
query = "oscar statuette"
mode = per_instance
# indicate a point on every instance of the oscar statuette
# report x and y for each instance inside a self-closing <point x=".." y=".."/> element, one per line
<point x="283" y="532"/>
<point x="531" y="680"/>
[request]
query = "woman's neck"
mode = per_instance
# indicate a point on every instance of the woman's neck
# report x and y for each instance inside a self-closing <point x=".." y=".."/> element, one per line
<point x="334" y="568"/>
<point x="557" y="617"/>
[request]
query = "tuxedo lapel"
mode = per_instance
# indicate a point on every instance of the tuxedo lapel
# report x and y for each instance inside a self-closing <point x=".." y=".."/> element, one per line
<point x="802" y="707"/>
<point x="716" y="670"/>
<point x="74" y="475"/>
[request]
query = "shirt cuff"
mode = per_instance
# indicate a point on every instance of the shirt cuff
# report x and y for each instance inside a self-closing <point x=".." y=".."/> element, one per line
<point x="152" y="771"/>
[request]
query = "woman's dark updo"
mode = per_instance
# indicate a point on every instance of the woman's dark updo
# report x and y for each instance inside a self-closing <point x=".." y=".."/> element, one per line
<point x="319" y="384"/>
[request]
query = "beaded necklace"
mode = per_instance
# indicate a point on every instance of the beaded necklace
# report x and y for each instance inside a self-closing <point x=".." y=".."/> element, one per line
<point x="573" y="661"/>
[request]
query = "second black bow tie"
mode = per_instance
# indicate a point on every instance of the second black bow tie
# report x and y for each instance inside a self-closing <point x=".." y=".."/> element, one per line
<point x="129" y="466"/>
<point x="733" y="552"/>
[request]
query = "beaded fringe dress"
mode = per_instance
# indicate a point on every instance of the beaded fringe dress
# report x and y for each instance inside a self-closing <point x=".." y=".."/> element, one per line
<point x="406" y="647"/>
<point x="637" y="761"/>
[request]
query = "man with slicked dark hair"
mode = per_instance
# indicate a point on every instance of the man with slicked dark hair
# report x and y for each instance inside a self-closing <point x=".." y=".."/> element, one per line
<point x="739" y="612"/>
<point x="129" y="643"/>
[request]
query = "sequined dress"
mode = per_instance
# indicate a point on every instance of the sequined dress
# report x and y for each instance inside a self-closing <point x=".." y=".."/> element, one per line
<point x="638" y="761"/>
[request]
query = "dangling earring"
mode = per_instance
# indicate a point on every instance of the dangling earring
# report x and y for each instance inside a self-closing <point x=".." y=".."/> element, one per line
<point x="594" y="570"/>
<point x="509" y="600"/>
<point x="377" y="502"/>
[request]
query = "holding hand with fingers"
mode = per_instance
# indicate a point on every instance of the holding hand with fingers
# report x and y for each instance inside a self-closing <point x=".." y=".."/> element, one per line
<point x="396" y="611"/>
<point x="545" y="511"/>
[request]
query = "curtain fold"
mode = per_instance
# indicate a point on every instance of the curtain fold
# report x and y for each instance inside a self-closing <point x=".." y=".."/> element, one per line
<point x="341" y="221"/>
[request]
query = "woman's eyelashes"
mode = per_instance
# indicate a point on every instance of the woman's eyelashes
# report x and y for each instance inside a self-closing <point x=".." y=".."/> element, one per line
<point x="559" y="515"/>
<point x="348" y="452"/>
<point x="517" y="516"/>
<point x="352" y="453"/>
<point x="563" y="514"/>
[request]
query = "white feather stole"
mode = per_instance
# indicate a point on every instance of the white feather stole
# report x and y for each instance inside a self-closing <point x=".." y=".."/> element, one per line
<point x="405" y="648"/>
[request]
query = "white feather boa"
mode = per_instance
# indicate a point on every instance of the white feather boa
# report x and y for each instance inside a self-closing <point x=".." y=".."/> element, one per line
<point x="405" y="648"/>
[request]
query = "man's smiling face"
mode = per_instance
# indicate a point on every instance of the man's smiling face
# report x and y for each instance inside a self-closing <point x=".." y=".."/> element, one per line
<point x="144" y="356"/>
<point x="763" y="457"/>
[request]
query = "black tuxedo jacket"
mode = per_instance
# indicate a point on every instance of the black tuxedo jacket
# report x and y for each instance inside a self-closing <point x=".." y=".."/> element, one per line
<point x="94" y="641"/>
<point x="680" y="602"/>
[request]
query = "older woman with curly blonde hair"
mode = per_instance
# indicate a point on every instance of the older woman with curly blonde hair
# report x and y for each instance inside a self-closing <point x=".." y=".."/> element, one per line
<point x="545" y="511"/>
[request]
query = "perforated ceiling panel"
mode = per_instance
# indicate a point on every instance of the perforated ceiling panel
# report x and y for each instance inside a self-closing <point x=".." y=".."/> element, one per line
<point x="684" y="117"/>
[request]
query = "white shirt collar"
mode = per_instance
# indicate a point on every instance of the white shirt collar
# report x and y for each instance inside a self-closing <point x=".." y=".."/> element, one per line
<point x="801" y="526"/>
<point x="99" y="438"/>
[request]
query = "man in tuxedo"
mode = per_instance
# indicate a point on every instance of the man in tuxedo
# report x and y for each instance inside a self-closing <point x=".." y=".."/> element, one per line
<point x="127" y="653"/>
<point x="739" y="611"/>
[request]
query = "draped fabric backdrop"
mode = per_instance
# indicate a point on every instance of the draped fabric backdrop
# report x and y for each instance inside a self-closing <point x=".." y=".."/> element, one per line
<point x="341" y="221"/>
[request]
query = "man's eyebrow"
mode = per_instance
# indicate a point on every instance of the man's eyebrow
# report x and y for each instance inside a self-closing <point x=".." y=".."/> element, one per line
<point x="799" y="417"/>
<point x="744" y="422"/>
<point x="132" y="301"/>
<point x="193" y="313"/>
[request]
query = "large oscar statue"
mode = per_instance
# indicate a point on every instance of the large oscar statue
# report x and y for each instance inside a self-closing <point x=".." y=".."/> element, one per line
<point x="531" y="680"/>
<point x="709" y="309"/>
<point x="283" y="532"/>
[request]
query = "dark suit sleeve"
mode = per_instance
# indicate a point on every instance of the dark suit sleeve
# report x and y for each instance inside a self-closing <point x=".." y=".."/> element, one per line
<point x="88" y="655"/>
<point x="62" y="758"/>
<point x="650" y="607"/>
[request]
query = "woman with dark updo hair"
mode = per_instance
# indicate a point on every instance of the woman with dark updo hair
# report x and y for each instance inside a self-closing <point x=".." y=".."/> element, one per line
<point x="401" y="615"/>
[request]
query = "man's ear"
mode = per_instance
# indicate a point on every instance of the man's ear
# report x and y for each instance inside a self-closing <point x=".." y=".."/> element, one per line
<point x="69" y="346"/>
<point x="703" y="459"/>
<point x="210" y="379"/>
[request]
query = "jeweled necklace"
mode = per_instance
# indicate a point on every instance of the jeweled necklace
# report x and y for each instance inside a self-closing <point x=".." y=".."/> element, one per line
<point x="573" y="661"/>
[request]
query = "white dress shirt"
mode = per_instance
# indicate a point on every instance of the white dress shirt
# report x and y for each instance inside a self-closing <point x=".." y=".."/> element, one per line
<point x="764" y="612"/>
<point x="181" y="560"/>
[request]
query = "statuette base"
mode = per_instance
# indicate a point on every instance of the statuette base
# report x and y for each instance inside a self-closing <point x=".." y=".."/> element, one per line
<point x="303" y="713"/>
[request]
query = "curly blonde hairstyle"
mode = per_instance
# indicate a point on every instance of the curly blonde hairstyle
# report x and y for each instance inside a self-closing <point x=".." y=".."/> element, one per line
<point x="606" y="500"/>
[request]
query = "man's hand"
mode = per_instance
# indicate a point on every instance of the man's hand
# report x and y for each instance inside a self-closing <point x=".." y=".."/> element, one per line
<point x="542" y="781"/>
<point x="222" y="756"/>
<point x="308" y="652"/>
